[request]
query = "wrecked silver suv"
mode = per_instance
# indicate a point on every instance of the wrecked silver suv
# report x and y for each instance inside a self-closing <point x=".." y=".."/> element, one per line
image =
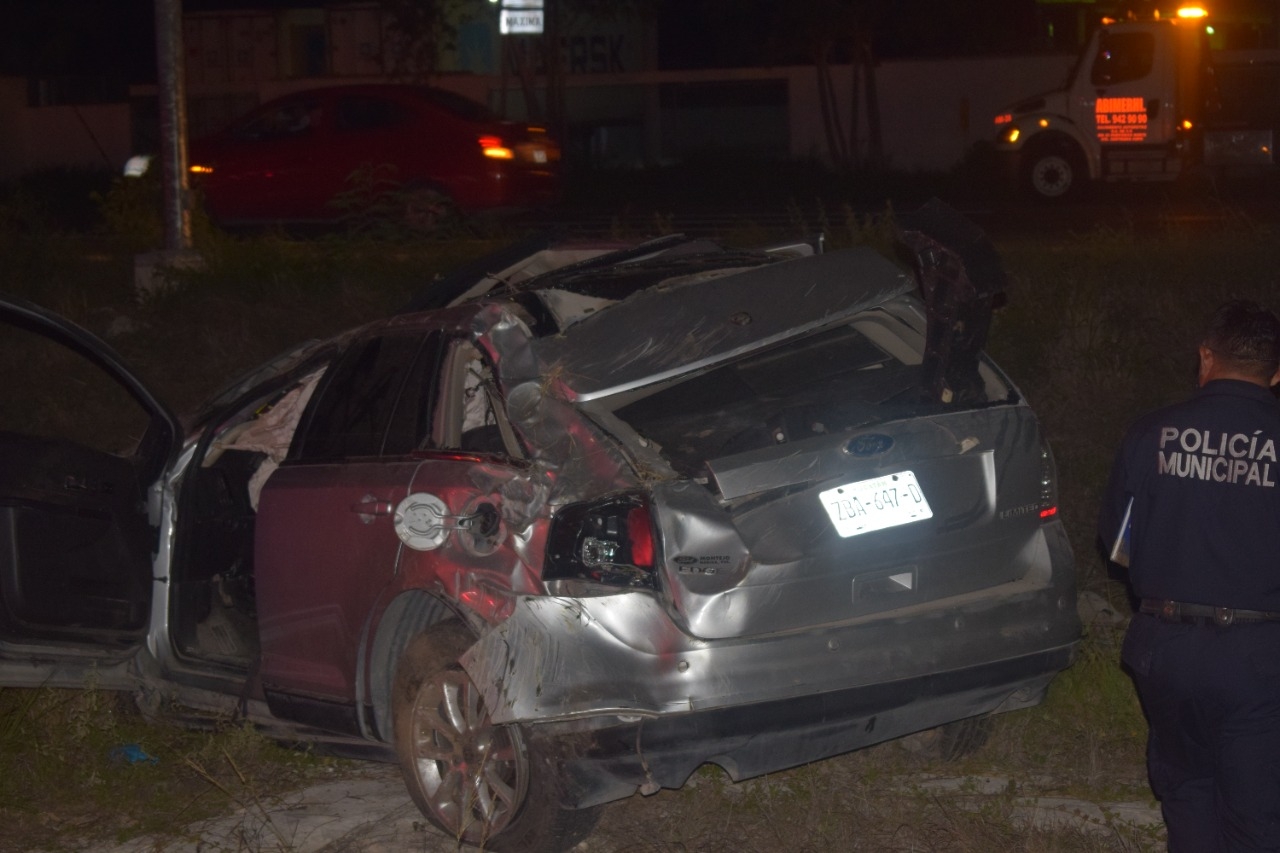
<point x="593" y="517"/>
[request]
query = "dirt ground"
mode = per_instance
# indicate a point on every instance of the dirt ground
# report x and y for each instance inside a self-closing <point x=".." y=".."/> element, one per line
<point x="366" y="810"/>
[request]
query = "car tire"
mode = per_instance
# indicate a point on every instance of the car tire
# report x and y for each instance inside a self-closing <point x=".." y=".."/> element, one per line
<point x="479" y="783"/>
<point x="1054" y="172"/>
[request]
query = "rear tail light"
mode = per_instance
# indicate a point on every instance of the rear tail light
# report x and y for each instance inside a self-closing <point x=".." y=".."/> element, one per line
<point x="609" y="541"/>
<point x="493" y="147"/>
<point x="1048" y="484"/>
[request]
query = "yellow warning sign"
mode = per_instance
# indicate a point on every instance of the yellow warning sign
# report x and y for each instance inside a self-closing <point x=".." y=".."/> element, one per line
<point x="1121" y="119"/>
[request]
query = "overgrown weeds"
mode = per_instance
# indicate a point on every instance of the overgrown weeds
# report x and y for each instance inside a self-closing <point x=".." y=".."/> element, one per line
<point x="84" y="764"/>
<point x="1102" y="326"/>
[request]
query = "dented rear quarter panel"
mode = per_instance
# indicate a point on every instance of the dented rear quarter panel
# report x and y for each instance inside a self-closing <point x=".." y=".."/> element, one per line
<point x="760" y="600"/>
<point x="561" y="658"/>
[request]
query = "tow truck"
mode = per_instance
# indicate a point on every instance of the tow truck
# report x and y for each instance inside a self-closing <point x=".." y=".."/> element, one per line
<point x="1147" y="100"/>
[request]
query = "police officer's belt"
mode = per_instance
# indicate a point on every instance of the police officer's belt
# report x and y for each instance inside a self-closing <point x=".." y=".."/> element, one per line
<point x="1180" y="611"/>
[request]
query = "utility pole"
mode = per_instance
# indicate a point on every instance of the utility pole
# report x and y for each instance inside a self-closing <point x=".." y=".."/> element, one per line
<point x="151" y="270"/>
<point x="173" y="125"/>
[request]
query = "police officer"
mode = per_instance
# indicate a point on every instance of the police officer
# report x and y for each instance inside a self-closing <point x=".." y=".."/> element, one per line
<point x="1200" y="480"/>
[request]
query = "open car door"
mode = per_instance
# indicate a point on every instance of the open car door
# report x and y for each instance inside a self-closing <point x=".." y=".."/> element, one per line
<point x="81" y="443"/>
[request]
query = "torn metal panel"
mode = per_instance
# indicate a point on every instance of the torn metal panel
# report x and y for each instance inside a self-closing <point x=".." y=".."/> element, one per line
<point x="531" y="266"/>
<point x="569" y="308"/>
<point x="685" y="326"/>
<point x="566" y="447"/>
<point x="559" y="658"/>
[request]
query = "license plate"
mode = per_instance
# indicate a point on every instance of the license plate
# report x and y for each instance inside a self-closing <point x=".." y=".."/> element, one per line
<point x="539" y="155"/>
<point x="875" y="504"/>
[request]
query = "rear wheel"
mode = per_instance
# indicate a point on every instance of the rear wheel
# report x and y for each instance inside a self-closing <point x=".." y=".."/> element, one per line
<point x="478" y="782"/>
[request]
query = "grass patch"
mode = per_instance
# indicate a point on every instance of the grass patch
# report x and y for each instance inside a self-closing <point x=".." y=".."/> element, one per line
<point x="1101" y="327"/>
<point x="1089" y="734"/>
<point x="83" y="765"/>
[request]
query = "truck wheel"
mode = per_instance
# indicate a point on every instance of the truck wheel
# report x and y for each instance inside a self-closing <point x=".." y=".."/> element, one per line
<point x="1054" y="173"/>
<point x="477" y="782"/>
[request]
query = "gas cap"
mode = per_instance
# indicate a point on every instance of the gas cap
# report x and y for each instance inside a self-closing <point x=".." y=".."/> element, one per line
<point x="422" y="521"/>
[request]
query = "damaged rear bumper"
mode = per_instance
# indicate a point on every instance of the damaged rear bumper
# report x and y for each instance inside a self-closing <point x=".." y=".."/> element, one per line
<point x="647" y="705"/>
<point x="565" y="658"/>
<point x="750" y="740"/>
<point x="559" y="659"/>
<point x="641" y="706"/>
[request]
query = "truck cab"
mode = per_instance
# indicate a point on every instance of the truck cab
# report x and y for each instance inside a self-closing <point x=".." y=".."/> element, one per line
<point x="1131" y="109"/>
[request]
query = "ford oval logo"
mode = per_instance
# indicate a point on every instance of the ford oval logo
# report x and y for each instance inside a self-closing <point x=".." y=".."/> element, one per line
<point x="685" y="560"/>
<point x="870" y="444"/>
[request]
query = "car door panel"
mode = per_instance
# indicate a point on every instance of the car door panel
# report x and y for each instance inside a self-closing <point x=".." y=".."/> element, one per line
<point x="326" y="544"/>
<point x="271" y="165"/>
<point x="74" y="549"/>
<point x="326" y="548"/>
<point x="75" y="470"/>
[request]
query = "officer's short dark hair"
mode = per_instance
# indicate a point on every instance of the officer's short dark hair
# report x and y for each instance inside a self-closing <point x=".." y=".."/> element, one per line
<point x="1247" y="335"/>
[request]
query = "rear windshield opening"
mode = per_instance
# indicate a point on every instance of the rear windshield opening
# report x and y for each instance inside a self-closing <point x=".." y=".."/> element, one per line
<point x="830" y="382"/>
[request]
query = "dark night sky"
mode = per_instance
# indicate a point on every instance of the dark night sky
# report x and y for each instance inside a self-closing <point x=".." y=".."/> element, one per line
<point x="90" y="36"/>
<point x="78" y="37"/>
<point x="710" y="33"/>
<point x="93" y="37"/>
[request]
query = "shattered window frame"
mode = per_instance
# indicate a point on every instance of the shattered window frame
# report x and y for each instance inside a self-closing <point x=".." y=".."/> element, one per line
<point x="468" y="392"/>
<point x="376" y="400"/>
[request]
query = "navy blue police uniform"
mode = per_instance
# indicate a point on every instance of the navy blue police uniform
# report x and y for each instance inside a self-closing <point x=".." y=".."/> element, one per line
<point x="1204" y="648"/>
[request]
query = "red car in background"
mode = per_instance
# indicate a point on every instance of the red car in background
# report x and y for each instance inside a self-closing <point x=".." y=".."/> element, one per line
<point x="320" y="154"/>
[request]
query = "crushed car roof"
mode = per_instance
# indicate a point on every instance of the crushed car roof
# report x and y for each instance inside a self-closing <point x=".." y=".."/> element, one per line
<point x="707" y="310"/>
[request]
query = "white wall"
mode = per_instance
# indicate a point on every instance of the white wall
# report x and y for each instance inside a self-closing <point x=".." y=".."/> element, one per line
<point x="35" y="138"/>
<point x="931" y="111"/>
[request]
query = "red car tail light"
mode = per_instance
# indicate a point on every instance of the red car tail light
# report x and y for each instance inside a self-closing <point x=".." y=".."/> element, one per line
<point x="493" y="147"/>
<point x="1048" y="484"/>
<point x="610" y="541"/>
<point x="640" y="536"/>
